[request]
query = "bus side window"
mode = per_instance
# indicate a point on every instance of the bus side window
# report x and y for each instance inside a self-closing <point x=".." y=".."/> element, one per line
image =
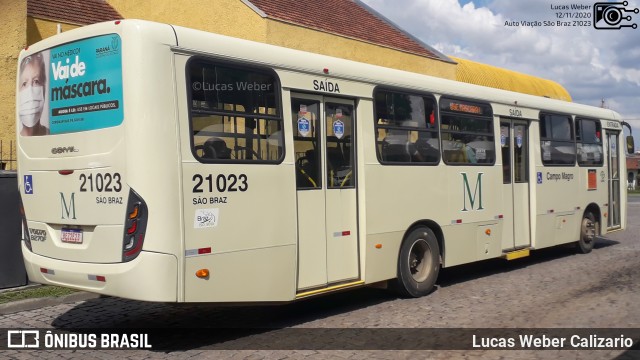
<point x="230" y="124"/>
<point x="467" y="132"/>
<point x="589" y="142"/>
<point x="557" y="141"/>
<point x="406" y="128"/>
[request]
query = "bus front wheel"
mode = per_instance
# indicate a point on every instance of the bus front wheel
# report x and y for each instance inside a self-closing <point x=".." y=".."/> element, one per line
<point x="589" y="229"/>
<point x="419" y="263"/>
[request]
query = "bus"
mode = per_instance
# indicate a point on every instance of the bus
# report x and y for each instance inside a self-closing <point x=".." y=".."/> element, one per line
<point x="162" y="163"/>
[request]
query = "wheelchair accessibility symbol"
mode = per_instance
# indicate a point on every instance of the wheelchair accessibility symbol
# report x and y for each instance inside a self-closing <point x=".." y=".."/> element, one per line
<point x="28" y="184"/>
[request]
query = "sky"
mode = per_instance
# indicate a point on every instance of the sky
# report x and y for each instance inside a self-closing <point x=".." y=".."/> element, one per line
<point x="592" y="64"/>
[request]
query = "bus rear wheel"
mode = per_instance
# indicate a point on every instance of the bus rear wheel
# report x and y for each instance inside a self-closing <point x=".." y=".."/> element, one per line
<point x="589" y="229"/>
<point x="419" y="263"/>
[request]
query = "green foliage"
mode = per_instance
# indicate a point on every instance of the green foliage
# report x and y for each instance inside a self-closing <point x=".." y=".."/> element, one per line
<point x="34" y="292"/>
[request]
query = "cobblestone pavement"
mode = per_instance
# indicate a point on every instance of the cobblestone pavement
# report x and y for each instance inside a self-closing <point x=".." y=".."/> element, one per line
<point x="554" y="288"/>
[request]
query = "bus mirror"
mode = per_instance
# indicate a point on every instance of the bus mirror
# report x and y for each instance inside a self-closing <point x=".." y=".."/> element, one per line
<point x="630" y="145"/>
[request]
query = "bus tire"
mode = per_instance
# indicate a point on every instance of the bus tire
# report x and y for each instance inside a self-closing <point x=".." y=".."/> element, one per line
<point x="418" y="263"/>
<point x="589" y="229"/>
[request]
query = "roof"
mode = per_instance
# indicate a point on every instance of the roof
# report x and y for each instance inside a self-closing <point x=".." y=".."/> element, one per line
<point x="347" y="18"/>
<point x="77" y="12"/>
<point x="486" y="75"/>
<point x="633" y="162"/>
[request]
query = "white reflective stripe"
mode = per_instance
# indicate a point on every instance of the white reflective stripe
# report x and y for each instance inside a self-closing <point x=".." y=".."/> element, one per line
<point x="342" y="233"/>
<point x="196" y="252"/>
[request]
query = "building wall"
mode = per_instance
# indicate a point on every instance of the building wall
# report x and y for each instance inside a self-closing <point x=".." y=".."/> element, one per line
<point x="292" y="36"/>
<point x="234" y="18"/>
<point x="226" y="17"/>
<point x="38" y="29"/>
<point x="13" y="16"/>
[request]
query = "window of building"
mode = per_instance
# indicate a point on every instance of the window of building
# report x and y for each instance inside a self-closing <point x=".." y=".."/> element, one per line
<point x="235" y="113"/>
<point x="557" y="140"/>
<point x="406" y="128"/>
<point x="589" y="142"/>
<point x="467" y="132"/>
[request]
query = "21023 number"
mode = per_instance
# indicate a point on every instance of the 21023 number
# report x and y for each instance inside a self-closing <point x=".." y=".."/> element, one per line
<point x="222" y="183"/>
<point x="101" y="182"/>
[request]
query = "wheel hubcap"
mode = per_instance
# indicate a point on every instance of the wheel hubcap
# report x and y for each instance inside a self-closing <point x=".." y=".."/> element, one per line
<point x="588" y="230"/>
<point x="420" y="260"/>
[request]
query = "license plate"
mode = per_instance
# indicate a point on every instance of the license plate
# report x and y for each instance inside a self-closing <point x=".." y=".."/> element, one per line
<point x="72" y="236"/>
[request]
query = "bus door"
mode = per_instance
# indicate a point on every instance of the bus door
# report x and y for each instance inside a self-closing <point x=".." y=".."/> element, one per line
<point x="613" y="175"/>
<point x="324" y="146"/>
<point x="514" y="141"/>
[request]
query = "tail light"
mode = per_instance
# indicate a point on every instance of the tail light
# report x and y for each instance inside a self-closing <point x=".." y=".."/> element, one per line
<point x="135" y="225"/>
<point x="25" y="229"/>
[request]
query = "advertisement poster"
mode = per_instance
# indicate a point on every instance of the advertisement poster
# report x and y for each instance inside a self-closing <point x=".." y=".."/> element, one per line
<point x="71" y="88"/>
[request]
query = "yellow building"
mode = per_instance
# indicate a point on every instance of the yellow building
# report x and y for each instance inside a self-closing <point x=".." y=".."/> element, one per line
<point x="341" y="28"/>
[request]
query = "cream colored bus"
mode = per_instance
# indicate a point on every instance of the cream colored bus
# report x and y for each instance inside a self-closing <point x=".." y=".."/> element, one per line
<point x="167" y="164"/>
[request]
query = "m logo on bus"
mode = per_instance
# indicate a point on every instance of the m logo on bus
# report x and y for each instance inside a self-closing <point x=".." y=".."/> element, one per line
<point x="68" y="208"/>
<point x="476" y="197"/>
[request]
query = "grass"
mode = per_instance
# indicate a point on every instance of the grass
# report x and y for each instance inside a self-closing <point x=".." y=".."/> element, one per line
<point x="34" y="292"/>
<point x="633" y="192"/>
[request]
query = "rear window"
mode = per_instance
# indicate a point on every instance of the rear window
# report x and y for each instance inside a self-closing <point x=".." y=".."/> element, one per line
<point x="72" y="87"/>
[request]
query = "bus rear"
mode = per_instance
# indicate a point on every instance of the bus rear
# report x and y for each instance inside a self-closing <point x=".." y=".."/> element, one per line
<point x="85" y="225"/>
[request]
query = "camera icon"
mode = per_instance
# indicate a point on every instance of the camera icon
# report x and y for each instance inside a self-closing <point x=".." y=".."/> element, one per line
<point x="609" y="15"/>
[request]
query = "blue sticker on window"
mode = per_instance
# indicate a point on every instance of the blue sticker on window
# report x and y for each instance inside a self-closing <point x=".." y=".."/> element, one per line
<point x="304" y="126"/>
<point x="338" y="129"/>
<point x="539" y="177"/>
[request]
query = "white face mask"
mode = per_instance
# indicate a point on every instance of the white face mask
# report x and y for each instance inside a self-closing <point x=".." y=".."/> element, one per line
<point x="31" y="105"/>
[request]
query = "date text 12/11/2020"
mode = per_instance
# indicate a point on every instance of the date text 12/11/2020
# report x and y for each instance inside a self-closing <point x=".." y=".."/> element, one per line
<point x="600" y="15"/>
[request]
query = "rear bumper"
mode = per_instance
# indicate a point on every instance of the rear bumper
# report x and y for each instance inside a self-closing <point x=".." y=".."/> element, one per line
<point x="150" y="277"/>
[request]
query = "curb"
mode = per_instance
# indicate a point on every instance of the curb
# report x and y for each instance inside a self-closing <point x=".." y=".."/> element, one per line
<point x="37" y="303"/>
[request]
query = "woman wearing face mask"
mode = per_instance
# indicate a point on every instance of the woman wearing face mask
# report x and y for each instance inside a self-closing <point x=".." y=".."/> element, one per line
<point x="31" y="95"/>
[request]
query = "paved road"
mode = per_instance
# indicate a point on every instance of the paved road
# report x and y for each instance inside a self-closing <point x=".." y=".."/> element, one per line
<point x="553" y="288"/>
